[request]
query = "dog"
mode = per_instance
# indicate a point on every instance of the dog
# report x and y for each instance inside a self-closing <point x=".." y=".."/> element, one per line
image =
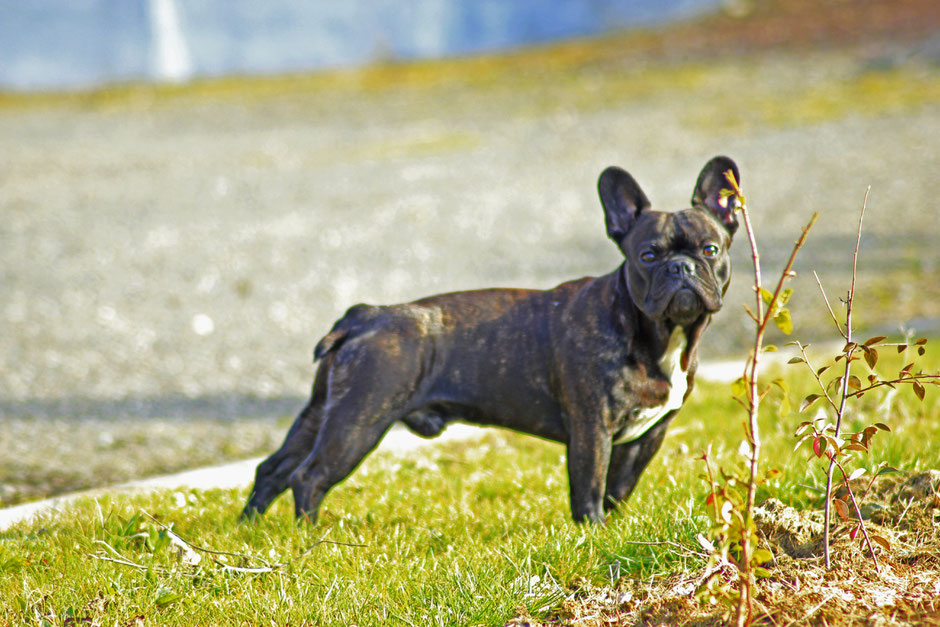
<point x="599" y="364"/>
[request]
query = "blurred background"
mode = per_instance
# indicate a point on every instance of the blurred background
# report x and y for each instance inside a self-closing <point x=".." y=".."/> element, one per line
<point x="192" y="191"/>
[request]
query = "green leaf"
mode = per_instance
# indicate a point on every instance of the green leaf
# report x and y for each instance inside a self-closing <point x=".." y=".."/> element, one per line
<point x="858" y="472"/>
<point x="770" y="348"/>
<point x="785" y="295"/>
<point x="783" y="321"/>
<point x="166" y="597"/>
<point x="739" y="387"/>
<point x="766" y="296"/>
<point x="762" y="556"/>
<point x="796" y="360"/>
<point x="809" y="400"/>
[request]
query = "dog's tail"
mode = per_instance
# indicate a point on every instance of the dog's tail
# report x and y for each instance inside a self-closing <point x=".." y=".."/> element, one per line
<point x="356" y="317"/>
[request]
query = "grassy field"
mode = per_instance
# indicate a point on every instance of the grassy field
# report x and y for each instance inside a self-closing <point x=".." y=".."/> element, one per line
<point x="474" y="533"/>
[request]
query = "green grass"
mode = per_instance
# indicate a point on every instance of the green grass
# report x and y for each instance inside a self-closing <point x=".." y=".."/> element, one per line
<point x="470" y="533"/>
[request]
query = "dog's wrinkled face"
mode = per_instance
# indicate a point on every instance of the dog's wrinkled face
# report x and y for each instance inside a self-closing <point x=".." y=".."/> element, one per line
<point x="677" y="264"/>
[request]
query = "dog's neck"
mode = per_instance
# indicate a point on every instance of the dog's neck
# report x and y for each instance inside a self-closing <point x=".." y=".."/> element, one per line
<point x="661" y="331"/>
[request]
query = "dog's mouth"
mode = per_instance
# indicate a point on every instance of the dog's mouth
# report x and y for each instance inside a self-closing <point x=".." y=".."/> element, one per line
<point x="685" y="306"/>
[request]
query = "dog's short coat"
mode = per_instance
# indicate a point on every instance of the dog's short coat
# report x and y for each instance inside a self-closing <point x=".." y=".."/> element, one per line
<point x="600" y="365"/>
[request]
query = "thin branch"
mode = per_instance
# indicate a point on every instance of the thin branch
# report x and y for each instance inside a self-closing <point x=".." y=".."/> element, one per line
<point x="827" y="512"/>
<point x="858" y="513"/>
<point x="828" y="306"/>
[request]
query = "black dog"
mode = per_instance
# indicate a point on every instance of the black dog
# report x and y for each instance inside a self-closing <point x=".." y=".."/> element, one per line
<point x="598" y="364"/>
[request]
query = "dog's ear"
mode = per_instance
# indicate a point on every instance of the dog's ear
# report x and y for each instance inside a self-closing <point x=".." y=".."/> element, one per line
<point x="713" y="192"/>
<point x="622" y="199"/>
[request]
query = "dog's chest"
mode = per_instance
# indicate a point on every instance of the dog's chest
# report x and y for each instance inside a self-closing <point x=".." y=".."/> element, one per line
<point x="643" y="418"/>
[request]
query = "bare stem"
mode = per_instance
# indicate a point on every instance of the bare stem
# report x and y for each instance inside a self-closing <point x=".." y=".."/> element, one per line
<point x="762" y="318"/>
<point x="849" y="349"/>
<point x="858" y="513"/>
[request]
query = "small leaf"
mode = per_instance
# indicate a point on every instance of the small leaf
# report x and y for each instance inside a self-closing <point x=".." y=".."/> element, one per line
<point x="858" y="472"/>
<point x="766" y="296"/>
<point x="854" y="531"/>
<point x="784" y="409"/>
<point x="841" y="509"/>
<point x="887" y="470"/>
<point x="874" y="340"/>
<point x="902" y="348"/>
<point x="739" y="386"/>
<point x="921" y="341"/>
<point x="785" y="295"/>
<point x="921" y="350"/>
<point x="882" y="426"/>
<point x="809" y="400"/>
<point x="871" y="358"/>
<point x="821" y="370"/>
<point x="770" y="348"/>
<point x="882" y="542"/>
<point x="855" y="383"/>
<point x="856" y="447"/>
<point x="760" y="571"/>
<point x="819" y="445"/>
<point x="849" y="346"/>
<point x="784" y="322"/>
<point x="796" y="360"/>
<point x="919" y="390"/>
<point x="762" y="556"/>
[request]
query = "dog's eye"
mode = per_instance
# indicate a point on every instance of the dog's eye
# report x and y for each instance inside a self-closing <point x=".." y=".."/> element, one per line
<point x="648" y="256"/>
<point x="710" y="250"/>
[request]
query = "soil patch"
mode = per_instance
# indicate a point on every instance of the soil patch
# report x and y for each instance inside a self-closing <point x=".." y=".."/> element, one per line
<point x="903" y="509"/>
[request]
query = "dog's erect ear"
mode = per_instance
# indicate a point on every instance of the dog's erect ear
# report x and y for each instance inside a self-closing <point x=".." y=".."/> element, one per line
<point x="623" y="200"/>
<point x="710" y="195"/>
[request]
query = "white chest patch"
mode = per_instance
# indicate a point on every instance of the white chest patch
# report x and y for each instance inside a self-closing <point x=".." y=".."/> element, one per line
<point x="671" y="366"/>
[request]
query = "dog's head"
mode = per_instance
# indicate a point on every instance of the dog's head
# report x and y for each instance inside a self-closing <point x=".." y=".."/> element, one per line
<point x="677" y="264"/>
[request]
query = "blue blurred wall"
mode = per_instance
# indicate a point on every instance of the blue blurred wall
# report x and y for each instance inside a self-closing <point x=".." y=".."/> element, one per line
<point x="79" y="43"/>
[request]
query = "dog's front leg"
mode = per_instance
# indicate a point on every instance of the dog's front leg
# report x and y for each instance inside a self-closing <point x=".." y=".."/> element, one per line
<point x="588" y="458"/>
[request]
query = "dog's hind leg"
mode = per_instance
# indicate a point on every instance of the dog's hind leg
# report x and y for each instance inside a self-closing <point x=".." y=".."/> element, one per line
<point x="271" y="476"/>
<point x="367" y="395"/>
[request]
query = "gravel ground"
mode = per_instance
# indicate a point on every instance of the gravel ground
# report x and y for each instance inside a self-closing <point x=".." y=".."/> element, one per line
<point x="169" y="259"/>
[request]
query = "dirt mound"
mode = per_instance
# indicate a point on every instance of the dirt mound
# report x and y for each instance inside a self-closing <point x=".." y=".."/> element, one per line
<point x="902" y="508"/>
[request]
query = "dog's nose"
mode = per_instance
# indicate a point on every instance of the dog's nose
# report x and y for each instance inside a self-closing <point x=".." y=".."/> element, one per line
<point x="681" y="267"/>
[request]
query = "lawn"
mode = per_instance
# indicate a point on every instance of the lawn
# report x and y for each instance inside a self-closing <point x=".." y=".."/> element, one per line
<point x="471" y="533"/>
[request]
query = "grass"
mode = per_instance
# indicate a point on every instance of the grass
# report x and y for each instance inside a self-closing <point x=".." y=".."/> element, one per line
<point x="474" y="533"/>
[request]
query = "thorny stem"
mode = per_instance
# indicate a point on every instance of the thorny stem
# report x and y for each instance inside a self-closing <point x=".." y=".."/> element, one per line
<point x="850" y="348"/>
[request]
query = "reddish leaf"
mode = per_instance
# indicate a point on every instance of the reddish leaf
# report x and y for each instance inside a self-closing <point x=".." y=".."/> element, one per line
<point x="855" y="447"/>
<point x="882" y="542"/>
<point x="854" y="531"/>
<point x="819" y="445"/>
<point x="841" y="509"/>
<point x="919" y="390"/>
<point x="874" y="340"/>
<point x="921" y="341"/>
<point x="871" y="357"/>
<point x="902" y="348"/>
<point x="921" y="350"/>
<point x="855" y="383"/>
<point x="882" y="426"/>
